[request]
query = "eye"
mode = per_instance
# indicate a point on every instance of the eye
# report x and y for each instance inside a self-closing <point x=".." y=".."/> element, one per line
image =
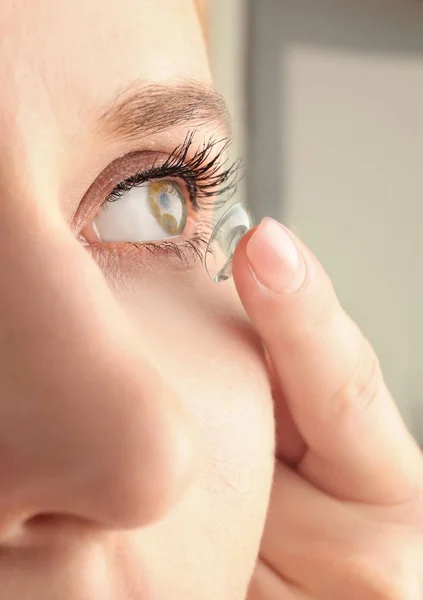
<point x="153" y="211"/>
<point x="148" y="204"/>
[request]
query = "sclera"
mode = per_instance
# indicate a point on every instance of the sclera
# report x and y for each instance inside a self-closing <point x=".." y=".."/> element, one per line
<point x="227" y="233"/>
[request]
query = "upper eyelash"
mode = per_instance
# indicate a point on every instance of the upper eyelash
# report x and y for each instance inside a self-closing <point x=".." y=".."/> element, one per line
<point x="203" y="175"/>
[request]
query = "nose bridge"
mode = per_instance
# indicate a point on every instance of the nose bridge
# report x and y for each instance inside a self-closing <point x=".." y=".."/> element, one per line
<point x="86" y="425"/>
<point x="41" y="328"/>
<point x="31" y="273"/>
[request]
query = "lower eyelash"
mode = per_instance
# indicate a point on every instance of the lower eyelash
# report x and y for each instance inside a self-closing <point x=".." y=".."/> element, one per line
<point x="187" y="251"/>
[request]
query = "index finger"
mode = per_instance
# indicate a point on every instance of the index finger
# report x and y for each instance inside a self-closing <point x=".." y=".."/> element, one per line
<point x="358" y="447"/>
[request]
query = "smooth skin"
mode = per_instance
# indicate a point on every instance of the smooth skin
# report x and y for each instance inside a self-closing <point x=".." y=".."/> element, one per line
<point x="137" y="406"/>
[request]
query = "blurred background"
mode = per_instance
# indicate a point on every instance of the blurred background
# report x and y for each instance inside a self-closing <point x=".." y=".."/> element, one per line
<point x="327" y="105"/>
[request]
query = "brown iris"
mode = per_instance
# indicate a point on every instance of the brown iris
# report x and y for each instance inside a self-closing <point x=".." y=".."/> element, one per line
<point x="168" y="206"/>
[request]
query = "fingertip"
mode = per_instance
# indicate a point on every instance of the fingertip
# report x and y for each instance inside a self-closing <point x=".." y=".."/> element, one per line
<point x="274" y="256"/>
<point x="240" y="250"/>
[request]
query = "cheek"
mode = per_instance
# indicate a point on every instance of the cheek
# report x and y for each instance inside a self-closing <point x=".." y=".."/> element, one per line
<point x="201" y="342"/>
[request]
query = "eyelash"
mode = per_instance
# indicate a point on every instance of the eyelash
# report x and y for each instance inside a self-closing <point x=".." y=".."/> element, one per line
<point x="206" y="180"/>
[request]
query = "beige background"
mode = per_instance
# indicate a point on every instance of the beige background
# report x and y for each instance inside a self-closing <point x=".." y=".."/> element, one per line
<point x="227" y="22"/>
<point x="354" y="191"/>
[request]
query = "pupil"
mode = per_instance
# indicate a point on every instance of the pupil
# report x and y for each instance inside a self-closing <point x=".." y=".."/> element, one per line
<point x="164" y="200"/>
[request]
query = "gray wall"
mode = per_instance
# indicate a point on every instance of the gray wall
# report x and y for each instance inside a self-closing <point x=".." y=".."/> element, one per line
<point x="335" y="120"/>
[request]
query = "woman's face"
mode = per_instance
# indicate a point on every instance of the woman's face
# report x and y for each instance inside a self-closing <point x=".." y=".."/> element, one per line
<point x="136" y="427"/>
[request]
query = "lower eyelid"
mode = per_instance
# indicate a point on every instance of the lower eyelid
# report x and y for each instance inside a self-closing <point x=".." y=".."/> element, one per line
<point x="184" y="250"/>
<point x="179" y="254"/>
<point x="118" y="259"/>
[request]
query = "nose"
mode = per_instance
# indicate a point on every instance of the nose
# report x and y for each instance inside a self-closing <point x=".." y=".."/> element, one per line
<point x="88" y="428"/>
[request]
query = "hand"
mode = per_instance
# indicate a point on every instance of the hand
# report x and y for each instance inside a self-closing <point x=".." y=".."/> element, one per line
<point x="345" y="520"/>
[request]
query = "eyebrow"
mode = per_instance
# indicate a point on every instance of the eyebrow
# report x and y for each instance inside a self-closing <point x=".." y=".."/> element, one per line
<point x="141" y="110"/>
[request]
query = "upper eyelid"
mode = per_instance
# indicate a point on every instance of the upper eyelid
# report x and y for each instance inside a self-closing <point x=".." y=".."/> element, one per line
<point x="108" y="174"/>
<point x="203" y="166"/>
<point x="145" y="177"/>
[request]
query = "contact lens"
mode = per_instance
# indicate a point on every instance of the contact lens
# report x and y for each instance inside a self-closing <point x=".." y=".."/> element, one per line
<point x="229" y="230"/>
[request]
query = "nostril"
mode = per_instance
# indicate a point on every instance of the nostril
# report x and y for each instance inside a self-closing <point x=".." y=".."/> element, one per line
<point x="43" y="520"/>
<point x="56" y="524"/>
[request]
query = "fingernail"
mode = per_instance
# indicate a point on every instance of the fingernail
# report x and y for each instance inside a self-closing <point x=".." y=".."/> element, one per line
<point x="274" y="258"/>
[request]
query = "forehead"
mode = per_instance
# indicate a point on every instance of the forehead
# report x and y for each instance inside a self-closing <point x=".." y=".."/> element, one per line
<point x="62" y="61"/>
<point x="61" y="57"/>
